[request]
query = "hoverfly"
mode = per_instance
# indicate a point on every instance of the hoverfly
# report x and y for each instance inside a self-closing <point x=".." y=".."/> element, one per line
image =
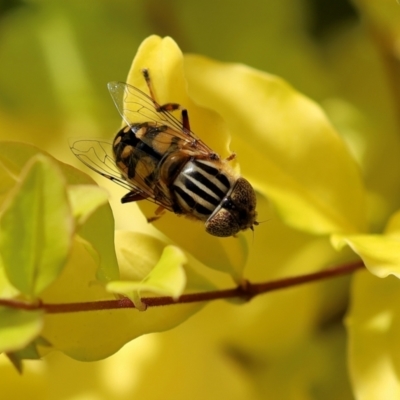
<point x="163" y="161"/>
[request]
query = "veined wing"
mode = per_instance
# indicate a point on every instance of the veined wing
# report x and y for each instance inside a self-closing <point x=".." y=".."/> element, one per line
<point x="98" y="156"/>
<point x="136" y="106"/>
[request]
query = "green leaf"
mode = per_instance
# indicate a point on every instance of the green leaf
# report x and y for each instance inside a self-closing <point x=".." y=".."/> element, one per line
<point x="18" y="328"/>
<point x="90" y="212"/>
<point x="36" y="227"/>
<point x="167" y="278"/>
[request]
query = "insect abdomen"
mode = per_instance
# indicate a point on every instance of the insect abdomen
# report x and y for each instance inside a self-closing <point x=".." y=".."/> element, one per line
<point x="200" y="187"/>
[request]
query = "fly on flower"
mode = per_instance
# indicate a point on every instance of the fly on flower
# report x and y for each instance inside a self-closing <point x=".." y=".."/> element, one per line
<point x="163" y="161"/>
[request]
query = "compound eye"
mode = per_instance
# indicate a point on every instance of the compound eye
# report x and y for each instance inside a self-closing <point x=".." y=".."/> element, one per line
<point x="222" y="224"/>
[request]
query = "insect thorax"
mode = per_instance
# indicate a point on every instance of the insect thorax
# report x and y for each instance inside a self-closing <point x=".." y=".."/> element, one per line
<point x="142" y="150"/>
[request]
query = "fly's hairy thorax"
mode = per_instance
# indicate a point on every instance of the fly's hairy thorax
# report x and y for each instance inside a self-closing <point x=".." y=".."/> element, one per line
<point x="149" y="153"/>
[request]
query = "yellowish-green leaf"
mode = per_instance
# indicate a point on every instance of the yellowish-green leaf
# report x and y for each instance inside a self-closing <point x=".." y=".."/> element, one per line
<point x="88" y="208"/>
<point x="228" y="255"/>
<point x="84" y="200"/>
<point x="96" y="226"/>
<point x="98" y="334"/>
<point x="36" y="227"/>
<point x="14" y="156"/>
<point x="380" y="253"/>
<point x="138" y="253"/>
<point x="167" y="278"/>
<point x="98" y="234"/>
<point x="374" y="328"/>
<point x="29" y="352"/>
<point x="18" y="328"/>
<point x="285" y="145"/>
<point x="393" y="225"/>
<point x="7" y="291"/>
<point x="6" y="182"/>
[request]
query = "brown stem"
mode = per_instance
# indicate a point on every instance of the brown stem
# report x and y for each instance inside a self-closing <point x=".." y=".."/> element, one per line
<point x="246" y="292"/>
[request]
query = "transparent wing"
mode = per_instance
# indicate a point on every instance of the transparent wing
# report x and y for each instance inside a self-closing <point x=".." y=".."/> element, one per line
<point x="98" y="156"/>
<point x="136" y="106"/>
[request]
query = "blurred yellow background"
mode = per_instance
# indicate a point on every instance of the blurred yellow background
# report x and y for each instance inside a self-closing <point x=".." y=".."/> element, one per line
<point x="56" y="58"/>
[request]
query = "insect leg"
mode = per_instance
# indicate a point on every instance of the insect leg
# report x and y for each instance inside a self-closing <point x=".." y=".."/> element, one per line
<point x="158" y="214"/>
<point x="185" y="120"/>
<point x="169" y="106"/>
<point x="231" y="157"/>
<point x="133" y="196"/>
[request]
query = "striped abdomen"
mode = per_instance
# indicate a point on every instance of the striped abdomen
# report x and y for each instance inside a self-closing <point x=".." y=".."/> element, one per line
<point x="200" y="188"/>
